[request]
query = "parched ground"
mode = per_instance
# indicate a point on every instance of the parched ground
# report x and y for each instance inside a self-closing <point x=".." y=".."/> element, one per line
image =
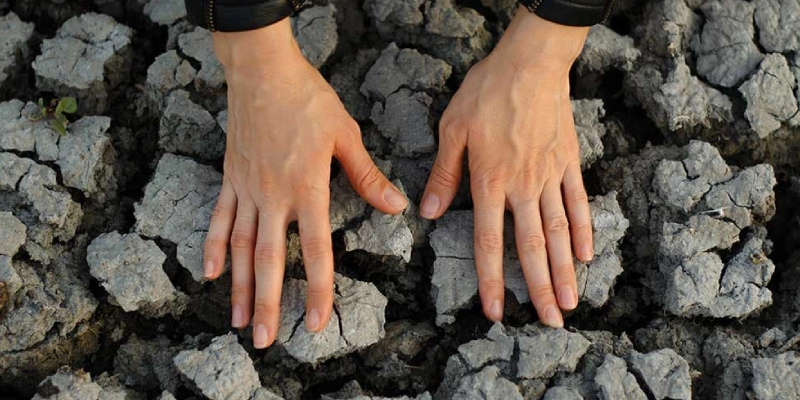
<point x="688" y="122"/>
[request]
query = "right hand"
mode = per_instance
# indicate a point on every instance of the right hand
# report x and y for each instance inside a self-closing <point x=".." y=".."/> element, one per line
<point x="284" y="124"/>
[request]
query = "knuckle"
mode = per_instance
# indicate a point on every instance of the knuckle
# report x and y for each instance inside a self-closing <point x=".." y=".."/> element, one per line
<point x="241" y="239"/>
<point x="488" y="181"/>
<point x="371" y="176"/>
<point x="265" y="308"/>
<point x="542" y="294"/>
<point x="558" y="225"/>
<point x="533" y="242"/>
<point x="315" y="250"/>
<point x="489" y="242"/>
<point x="562" y="268"/>
<point x="320" y="292"/>
<point x="220" y="212"/>
<point x="577" y="196"/>
<point x="267" y="253"/>
<point x="214" y="243"/>
<point x="240" y="294"/>
<point x="443" y="176"/>
<point x="583" y="227"/>
<point x="491" y="285"/>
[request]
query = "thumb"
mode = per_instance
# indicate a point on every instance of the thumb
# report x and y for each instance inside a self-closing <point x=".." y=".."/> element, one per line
<point x="444" y="179"/>
<point x="367" y="180"/>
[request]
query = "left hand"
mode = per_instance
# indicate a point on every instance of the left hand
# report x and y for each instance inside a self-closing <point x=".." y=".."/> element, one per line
<point x="513" y="112"/>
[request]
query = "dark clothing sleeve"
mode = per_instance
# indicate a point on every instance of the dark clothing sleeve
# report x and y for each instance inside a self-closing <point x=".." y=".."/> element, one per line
<point x="239" y="15"/>
<point x="243" y="15"/>
<point x="571" y="12"/>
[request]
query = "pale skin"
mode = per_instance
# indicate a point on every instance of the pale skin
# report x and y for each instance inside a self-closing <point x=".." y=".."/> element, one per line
<point x="285" y="123"/>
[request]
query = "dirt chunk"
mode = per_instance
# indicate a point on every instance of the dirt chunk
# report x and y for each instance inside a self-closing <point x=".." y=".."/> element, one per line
<point x="177" y="203"/>
<point x="405" y="120"/>
<point x="315" y="31"/>
<point x="770" y="95"/>
<point x="772" y="18"/>
<point x="382" y="234"/>
<point x="187" y="128"/>
<point x="223" y="370"/>
<point x="665" y="373"/>
<point x="455" y="34"/>
<point x="15" y="52"/>
<point x="396" y="68"/>
<point x="130" y="269"/>
<point x="777" y="377"/>
<point x="357" y="321"/>
<point x="12" y="234"/>
<point x="614" y="381"/>
<point x="675" y="99"/>
<point x="89" y="56"/>
<point x="605" y="49"/>
<point x="726" y="50"/>
<point x="66" y="385"/>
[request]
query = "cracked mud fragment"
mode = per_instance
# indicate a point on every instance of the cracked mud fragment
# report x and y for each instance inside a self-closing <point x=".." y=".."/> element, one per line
<point x="777" y="22"/>
<point x="404" y="68"/>
<point x="382" y="234"/>
<point x="605" y="49"/>
<point x="357" y="321"/>
<point x="726" y="51"/>
<point x="665" y="373"/>
<point x="614" y="381"/>
<point x="777" y="377"/>
<point x="89" y="56"/>
<point x="67" y="385"/>
<point x="770" y="95"/>
<point x="675" y="99"/>
<point x="177" y="204"/>
<point x="221" y="371"/>
<point x="455" y="34"/>
<point x="315" y="31"/>
<point x="188" y="128"/>
<point x="15" y="52"/>
<point x="130" y="269"/>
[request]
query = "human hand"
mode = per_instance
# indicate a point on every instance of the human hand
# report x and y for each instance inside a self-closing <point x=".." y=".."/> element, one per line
<point x="284" y="124"/>
<point x="514" y="114"/>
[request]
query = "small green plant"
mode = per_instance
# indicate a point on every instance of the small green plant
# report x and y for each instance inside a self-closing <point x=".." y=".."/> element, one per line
<point x="54" y="113"/>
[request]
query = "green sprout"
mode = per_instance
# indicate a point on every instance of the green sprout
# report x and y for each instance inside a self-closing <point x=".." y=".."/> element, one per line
<point x="54" y="113"/>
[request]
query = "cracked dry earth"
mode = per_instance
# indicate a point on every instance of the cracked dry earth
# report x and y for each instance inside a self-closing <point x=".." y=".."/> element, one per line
<point x="687" y="118"/>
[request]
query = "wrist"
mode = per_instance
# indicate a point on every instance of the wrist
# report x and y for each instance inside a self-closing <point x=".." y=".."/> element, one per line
<point x="531" y="42"/>
<point x="258" y="49"/>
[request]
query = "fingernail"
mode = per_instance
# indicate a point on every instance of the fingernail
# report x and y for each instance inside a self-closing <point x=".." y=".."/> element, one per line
<point x="260" y="336"/>
<point x="312" y="320"/>
<point x="395" y="198"/>
<point x="587" y="252"/>
<point x="429" y="206"/>
<point x="566" y="298"/>
<point x="237" y="319"/>
<point x="208" y="271"/>
<point x="496" y="310"/>
<point x="553" y="317"/>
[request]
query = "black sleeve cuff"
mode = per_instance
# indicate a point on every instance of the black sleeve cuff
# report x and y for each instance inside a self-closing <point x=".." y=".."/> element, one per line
<point x="571" y="12"/>
<point x="237" y="16"/>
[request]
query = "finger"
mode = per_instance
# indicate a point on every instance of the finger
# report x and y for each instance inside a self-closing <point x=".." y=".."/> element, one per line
<point x="367" y="180"/>
<point x="580" y="218"/>
<point x="315" y="241"/>
<point x="243" y="239"/>
<point x="556" y="231"/>
<point x="269" y="258"/>
<point x="532" y="250"/>
<point x="219" y="231"/>
<point x="489" y="203"/>
<point x="445" y="176"/>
